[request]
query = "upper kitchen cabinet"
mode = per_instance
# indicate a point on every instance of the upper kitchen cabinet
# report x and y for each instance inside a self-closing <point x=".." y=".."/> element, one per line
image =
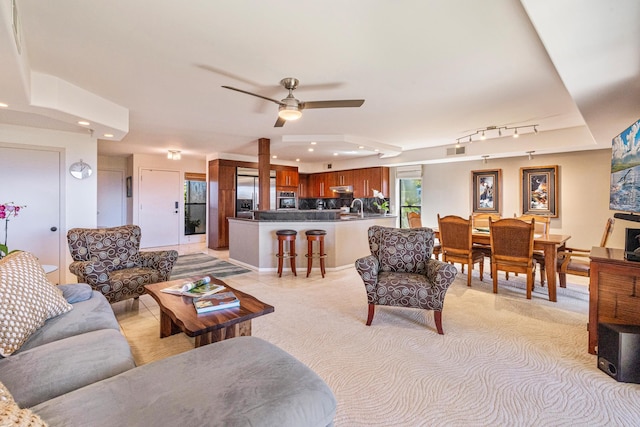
<point x="319" y="184"/>
<point x="287" y="179"/>
<point x="303" y="186"/>
<point x="368" y="179"/>
<point x="344" y="177"/>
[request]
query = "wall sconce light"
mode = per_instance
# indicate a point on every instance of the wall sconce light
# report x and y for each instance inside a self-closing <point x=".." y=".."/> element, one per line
<point x="484" y="158"/>
<point x="487" y="131"/>
<point x="530" y="153"/>
<point x="173" y="155"/>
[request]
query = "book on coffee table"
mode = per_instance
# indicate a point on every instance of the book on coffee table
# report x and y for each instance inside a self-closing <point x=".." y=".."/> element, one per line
<point x="216" y="301"/>
<point x="195" y="289"/>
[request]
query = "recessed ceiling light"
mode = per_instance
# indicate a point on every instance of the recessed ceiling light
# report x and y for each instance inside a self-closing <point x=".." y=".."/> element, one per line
<point x="274" y="157"/>
<point x="335" y="154"/>
<point x="313" y="143"/>
<point x="310" y="149"/>
<point x="108" y="135"/>
<point x="84" y="123"/>
<point x="297" y="160"/>
<point x="3" y="105"/>
<point x="376" y="150"/>
<point x="361" y="147"/>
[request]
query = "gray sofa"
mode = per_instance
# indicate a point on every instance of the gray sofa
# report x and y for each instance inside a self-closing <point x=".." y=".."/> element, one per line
<point x="77" y="370"/>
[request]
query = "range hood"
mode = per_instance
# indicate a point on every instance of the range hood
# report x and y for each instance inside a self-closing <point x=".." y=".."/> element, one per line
<point x="342" y="189"/>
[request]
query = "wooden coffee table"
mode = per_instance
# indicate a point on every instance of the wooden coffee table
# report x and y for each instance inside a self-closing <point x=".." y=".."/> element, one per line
<point x="177" y="314"/>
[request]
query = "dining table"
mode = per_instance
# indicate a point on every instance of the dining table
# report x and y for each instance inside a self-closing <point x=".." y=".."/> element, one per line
<point x="548" y="244"/>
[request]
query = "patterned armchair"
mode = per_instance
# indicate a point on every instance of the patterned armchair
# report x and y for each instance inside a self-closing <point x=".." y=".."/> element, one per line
<point x="109" y="259"/>
<point x="400" y="271"/>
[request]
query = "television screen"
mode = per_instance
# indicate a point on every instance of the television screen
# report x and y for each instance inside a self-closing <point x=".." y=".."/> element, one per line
<point x="625" y="170"/>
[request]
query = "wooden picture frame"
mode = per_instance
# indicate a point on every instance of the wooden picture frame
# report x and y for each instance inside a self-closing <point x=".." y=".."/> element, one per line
<point x="487" y="187"/>
<point x="129" y="189"/>
<point x="539" y="192"/>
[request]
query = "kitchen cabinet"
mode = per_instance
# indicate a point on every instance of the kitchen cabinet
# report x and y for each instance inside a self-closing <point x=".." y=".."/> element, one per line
<point x="303" y="186"/>
<point x="368" y="179"/>
<point x="344" y="177"/>
<point x="287" y="179"/>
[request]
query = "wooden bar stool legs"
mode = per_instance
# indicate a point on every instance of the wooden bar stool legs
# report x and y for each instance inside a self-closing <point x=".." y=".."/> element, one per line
<point x="312" y="236"/>
<point x="284" y="236"/>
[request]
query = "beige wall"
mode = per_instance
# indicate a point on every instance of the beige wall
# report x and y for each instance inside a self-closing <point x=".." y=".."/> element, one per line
<point x="583" y="193"/>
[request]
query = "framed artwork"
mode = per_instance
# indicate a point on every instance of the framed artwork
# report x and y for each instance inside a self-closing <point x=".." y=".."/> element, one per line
<point x="487" y="185"/>
<point x="540" y="190"/>
<point x="129" y="190"/>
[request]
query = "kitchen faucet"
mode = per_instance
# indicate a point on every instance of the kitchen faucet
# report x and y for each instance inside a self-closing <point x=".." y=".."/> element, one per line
<point x="361" y="207"/>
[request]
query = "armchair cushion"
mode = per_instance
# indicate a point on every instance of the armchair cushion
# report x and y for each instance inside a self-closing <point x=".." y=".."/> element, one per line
<point x="406" y="250"/>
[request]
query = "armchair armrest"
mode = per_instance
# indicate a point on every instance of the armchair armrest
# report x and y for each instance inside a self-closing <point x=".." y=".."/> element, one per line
<point x="162" y="261"/>
<point x="368" y="268"/>
<point x="565" y="256"/>
<point x="441" y="274"/>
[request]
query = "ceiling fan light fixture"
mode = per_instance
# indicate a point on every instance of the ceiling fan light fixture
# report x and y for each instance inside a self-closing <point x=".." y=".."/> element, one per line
<point x="289" y="112"/>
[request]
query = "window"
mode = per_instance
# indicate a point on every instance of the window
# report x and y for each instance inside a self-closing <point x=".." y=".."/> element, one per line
<point x="410" y="199"/>
<point x="195" y="203"/>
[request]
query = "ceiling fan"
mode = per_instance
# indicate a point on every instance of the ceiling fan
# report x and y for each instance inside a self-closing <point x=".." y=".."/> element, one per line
<point x="291" y="109"/>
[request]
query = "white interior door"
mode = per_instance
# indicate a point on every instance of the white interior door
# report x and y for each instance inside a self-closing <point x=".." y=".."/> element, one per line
<point x="31" y="177"/>
<point x="110" y="198"/>
<point x="160" y="207"/>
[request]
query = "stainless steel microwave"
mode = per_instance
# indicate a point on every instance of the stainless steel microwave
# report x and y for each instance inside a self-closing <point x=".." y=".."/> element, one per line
<point x="286" y="200"/>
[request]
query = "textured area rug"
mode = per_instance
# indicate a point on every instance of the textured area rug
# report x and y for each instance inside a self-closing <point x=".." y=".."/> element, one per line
<point x="200" y="264"/>
<point x="503" y="361"/>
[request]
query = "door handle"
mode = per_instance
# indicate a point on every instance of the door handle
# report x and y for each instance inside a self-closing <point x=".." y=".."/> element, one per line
<point x="54" y="228"/>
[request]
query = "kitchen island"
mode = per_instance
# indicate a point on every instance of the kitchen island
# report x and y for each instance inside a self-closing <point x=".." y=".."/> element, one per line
<point x="253" y="242"/>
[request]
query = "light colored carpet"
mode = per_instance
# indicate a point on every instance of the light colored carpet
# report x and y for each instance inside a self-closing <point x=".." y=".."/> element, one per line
<point x="503" y="360"/>
<point x="200" y="264"/>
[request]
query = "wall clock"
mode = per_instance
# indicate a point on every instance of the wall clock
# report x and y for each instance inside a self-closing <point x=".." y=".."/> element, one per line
<point x="80" y="170"/>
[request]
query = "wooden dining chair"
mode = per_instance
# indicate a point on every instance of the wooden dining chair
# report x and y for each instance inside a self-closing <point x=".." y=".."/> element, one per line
<point x="481" y="223"/>
<point x="415" y="221"/>
<point x="457" y="245"/>
<point x="576" y="261"/>
<point x="512" y="249"/>
<point x="542" y="226"/>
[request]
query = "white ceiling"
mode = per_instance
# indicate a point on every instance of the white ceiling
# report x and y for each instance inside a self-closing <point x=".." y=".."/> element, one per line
<point x="430" y="71"/>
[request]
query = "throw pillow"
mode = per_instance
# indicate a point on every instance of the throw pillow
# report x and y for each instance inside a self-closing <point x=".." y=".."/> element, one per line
<point x="405" y="250"/>
<point x="116" y="247"/>
<point x="12" y="415"/>
<point x="27" y="300"/>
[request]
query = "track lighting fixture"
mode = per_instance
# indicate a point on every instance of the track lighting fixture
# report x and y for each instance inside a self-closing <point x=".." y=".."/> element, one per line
<point x="486" y="132"/>
<point x="484" y="158"/>
<point x="530" y="153"/>
<point x="173" y="155"/>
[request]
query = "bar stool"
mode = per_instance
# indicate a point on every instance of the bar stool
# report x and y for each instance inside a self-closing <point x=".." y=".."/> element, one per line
<point x="286" y="235"/>
<point x="312" y="236"/>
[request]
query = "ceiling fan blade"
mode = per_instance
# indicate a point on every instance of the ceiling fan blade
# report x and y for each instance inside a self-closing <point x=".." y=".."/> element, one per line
<point x="252" y="94"/>
<point x="332" y="104"/>
<point x="280" y="122"/>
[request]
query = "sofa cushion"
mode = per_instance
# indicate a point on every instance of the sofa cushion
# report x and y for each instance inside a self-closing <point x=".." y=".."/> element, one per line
<point x="405" y="250"/>
<point x="50" y="370"/>
<point x="27" y="300"/>
<point x="76" y="292"/>
<point x="89" y="315"/>
<point x="116" y="247"/>
<point x="12" y="415"/>
<point x="243" y="381"/>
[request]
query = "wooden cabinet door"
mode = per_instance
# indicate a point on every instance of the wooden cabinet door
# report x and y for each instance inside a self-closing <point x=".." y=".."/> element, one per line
<point x="303" y="186"/>
<point x="286" y="180"/>
<point x="369" y="179"/>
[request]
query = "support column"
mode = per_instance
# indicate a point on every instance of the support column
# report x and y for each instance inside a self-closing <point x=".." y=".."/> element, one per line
<point x="264" y="169"/>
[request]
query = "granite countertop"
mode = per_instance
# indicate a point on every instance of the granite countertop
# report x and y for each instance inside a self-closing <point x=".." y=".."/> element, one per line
<point x="311" y="215"/>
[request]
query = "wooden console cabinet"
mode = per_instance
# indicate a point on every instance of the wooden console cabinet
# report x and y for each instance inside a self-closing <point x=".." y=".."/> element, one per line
<point x="614" y="291"/>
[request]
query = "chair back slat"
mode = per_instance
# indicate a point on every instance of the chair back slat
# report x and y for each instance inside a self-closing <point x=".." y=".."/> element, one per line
<point x="414" y="220"/>
<point x="542" y="223"/>
<point x="481" y="220"/>
<point x="512" y="239"/>
<point x="455" y="234"/>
